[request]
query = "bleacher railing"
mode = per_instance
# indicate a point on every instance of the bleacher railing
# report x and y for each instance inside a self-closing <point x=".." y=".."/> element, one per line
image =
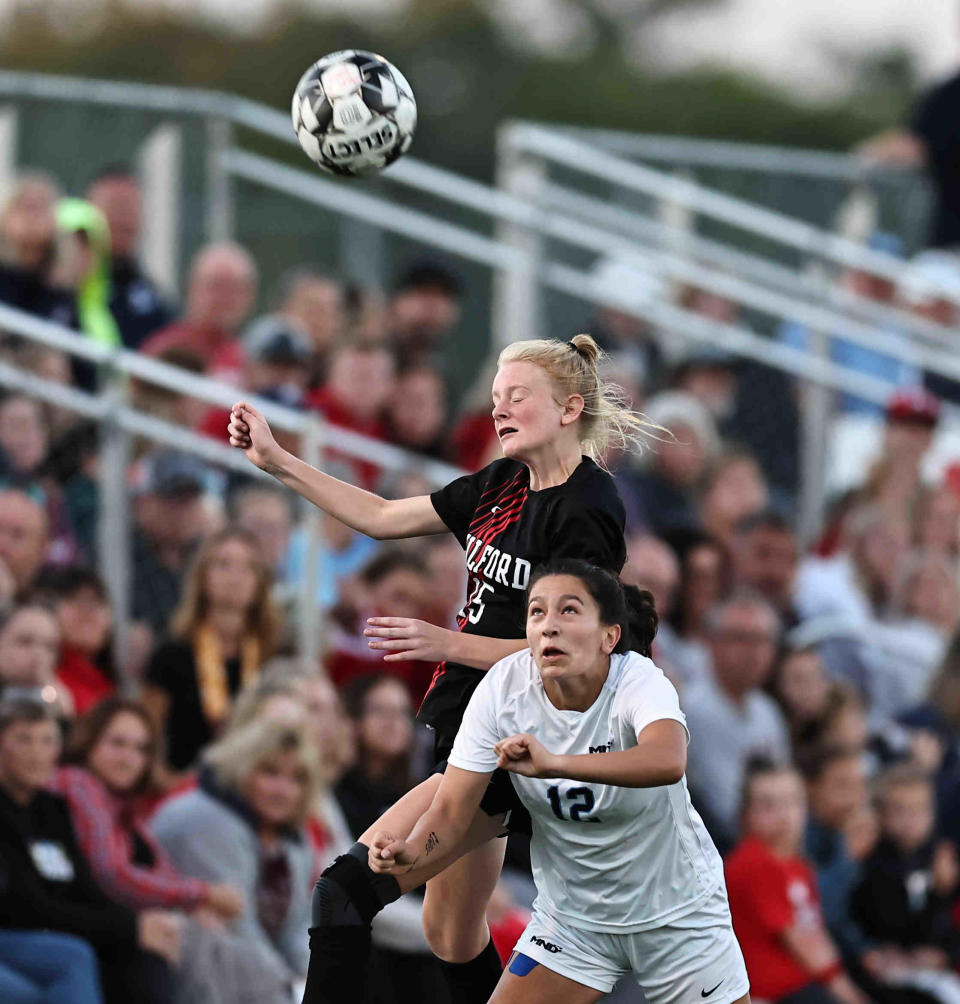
<point x="119" y="421"/>
<point x="520" y="229"/>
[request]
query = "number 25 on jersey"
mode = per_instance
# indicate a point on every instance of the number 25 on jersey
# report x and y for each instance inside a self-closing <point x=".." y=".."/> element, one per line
<point x="474" y="606"/>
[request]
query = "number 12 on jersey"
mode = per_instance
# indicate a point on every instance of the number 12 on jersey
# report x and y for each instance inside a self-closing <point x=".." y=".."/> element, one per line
<point x="581" y="804"/>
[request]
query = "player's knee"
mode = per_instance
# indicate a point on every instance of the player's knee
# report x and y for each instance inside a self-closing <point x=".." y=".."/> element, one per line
<point x="451" y="938"/>
<point x="332" y="904"/>
<point x="349" y="893"/>
<point x="434" y="931"/>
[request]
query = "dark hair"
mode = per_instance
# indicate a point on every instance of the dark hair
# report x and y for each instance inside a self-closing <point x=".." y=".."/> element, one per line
<point x="354" y="696"/>
<point x="12" y="712"/>
<point x="685" y="541"/>
<point x="642" y="616"/>
<point x="89" y="728"/>
<point x="759" y="767"/>
<point x="944" y="692"/>
<point x="247" y="490"/>
<point x="428" y="275"/>
<point x="7" y="396"/>
<point x="62" y="583"/>
<point x="817" y="760"/>
<point x="902" y="775"/>
<point x="768" y="519"/>
<point x="631" y="608"/>
<point x="389" y="561"/>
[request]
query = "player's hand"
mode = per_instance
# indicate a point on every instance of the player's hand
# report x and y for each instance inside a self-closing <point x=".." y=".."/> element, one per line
<point x="248" y="431"/>
<point x="408" y="638"/>
<point x="523" y="754"/>
<point x="389" y="854"/>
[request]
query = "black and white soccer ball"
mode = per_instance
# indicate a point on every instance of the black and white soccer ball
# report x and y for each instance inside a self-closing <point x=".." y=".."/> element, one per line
<point x="354" y="113"/>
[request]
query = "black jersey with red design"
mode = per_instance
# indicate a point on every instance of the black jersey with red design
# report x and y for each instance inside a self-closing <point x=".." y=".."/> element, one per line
<point x="507" y="530"/>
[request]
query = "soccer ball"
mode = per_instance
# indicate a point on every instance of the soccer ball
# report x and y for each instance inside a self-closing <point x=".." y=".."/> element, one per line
<point x="354" y="113"/>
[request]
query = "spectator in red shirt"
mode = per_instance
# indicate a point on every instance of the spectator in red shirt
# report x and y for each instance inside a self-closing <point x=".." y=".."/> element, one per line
<point x="394" y="583"/>
<point x="416" y="415"/>
<point x="361" y="380"/>
<point x="424" y="311"/>
<point x="29" y="645"/>
<point x="79" y="600"/>
<point x="474" y="438"/>
<point x="221" y="293"/>
<point x="109" y="763"/>
<point x="357" y="390"/>
<point x="315" y="302"/>
<point x="774" y="901"/>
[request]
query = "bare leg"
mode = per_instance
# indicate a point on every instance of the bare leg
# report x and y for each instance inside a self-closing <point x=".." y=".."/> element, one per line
<point x="542" y="986"/>
<point x="346" y="898"/>
<point x="455" y="904"/>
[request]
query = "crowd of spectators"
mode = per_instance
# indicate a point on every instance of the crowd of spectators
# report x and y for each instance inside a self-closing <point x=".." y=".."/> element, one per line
<point x="168" y="792"/>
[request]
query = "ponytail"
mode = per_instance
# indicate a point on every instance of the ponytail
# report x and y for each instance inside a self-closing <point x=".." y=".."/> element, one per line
<point x="642" y="619"/>
<point x="574" y="368"/>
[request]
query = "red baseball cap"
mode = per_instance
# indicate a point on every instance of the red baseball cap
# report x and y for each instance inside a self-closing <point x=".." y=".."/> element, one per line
<point x="914" y="405"/>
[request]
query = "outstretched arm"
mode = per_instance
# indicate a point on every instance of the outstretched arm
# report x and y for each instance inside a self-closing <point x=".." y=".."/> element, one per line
<point x="382" y="519"/>
<point x="440" y="829"/>
<point x="659" y="758"/>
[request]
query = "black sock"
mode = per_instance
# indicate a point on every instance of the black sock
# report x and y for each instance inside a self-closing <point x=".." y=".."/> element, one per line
<point x="345" y="901"/>
<point x="473" y="982"/>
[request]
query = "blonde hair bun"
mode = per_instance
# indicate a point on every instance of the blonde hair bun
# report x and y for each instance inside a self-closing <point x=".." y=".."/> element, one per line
<point x="574" y="367"/>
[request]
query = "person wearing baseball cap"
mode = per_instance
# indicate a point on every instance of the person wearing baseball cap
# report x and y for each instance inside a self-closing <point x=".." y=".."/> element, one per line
<point x="278" y="357"/>
<point x="915" y="406"/>
<point x="911" y="420"/>
<point x="168" y="492"/>
<point x="278" y="353"/>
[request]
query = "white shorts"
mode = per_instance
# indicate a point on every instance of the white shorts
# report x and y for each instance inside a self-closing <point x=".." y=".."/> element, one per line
<point x="693" y="959"/>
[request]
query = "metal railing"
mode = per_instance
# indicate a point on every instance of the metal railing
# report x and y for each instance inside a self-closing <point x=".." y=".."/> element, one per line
<point x="119" y="421"/>
<point x="464" y="243"/>
<point x="759" y="157"/>
<point x="714" y="254"/>
<point x="519" y="225"/>
<point x="539" y="143"/>
<point x="528" y="138"/>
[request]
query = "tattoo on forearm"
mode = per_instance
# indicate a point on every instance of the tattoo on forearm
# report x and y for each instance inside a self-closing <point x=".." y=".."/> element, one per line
<point x="433" y="842"/>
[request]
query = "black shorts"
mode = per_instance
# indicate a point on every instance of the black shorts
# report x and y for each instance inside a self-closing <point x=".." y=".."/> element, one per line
<point x="447" y="698"/>
<point x="442" y="710"/>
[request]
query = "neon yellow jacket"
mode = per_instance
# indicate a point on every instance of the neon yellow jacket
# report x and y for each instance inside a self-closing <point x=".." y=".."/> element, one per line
<point x="93" y="294"/>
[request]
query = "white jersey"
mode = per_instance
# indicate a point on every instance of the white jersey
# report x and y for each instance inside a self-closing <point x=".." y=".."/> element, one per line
<point x="619" y="860"/>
